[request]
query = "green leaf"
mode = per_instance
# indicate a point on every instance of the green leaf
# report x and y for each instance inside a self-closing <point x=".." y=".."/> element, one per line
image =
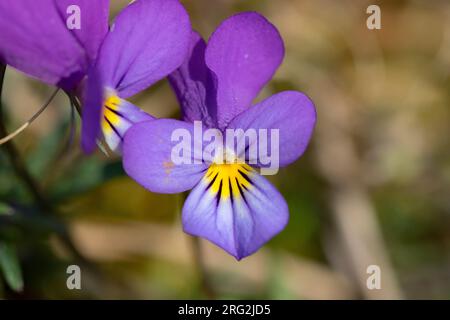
<point x="10" y="267"/>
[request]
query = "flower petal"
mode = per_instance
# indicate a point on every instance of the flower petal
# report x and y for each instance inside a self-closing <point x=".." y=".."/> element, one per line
<point x="94" y="22"/>
<point x="37" y="41"/>
<point x="118" y="116"/>
<point x="149" y="40"/>
<point x="236" y="209"/>
<point x="193" y="84"/>
<point x="291" y="114"/>
<point x="244" y="53"/>
<point x="92" y="111"/>
<point x="104" y="111"/>
<point x="148" y="159"/>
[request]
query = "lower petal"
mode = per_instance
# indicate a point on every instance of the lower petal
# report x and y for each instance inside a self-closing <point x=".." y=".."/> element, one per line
<point x="235" y="208"/>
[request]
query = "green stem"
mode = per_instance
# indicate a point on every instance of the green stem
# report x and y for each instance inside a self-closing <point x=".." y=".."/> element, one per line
<point x="199" y="262"/>
<point x="74" y="102"/>
<point x="200" y="265"/>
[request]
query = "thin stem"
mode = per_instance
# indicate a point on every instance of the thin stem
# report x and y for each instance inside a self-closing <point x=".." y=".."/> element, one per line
<point x="67" y="143"/>
<point x="30" y="121"/>
<point x="74" y="102"/>
<point x="199" y="262"/>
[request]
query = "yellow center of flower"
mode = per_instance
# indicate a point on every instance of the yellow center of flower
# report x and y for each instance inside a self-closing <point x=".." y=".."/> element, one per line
<point x="110" y="116"/>
<point x="225" y="180"/>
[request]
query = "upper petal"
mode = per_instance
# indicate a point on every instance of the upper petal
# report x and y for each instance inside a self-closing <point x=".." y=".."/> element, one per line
<point x="244" y="53"/>
<point x="37" y="41"/>
<point x="291" y="115"/>
<point x="148" y="155"/>
<point x="94" y="24"/>
<point x="149" y="40"/>
<point x="194" y="85"/>
<point x="236" y="209"/>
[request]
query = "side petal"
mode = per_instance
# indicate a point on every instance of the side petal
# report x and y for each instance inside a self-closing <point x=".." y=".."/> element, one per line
<point x="149" y="40"/>
<point x="290" y="114"/>
<point x="149" y="152"/>
<point x="104" y="111"/>
<point x="244" y="53"/>
<point x="236" y="209"/>
<point x="37" y="41"/>
<point x="118" y="116"/>
<point x="194" y="86"/>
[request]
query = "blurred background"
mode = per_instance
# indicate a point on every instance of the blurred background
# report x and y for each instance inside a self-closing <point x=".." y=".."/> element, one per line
<point x="372" y="189"/>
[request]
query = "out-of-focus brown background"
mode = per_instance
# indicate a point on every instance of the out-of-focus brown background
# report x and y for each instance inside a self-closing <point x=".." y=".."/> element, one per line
<point x="372" y="189"/>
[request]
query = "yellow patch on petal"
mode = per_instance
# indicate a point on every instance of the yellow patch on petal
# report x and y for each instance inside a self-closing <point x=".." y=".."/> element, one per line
<point x="110" y="118"/>
<point x="225" y="180"/>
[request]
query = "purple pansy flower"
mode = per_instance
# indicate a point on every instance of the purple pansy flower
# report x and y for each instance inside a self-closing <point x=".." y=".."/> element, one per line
<point x="230" y="204"/>
<point x="148" y="40"/>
